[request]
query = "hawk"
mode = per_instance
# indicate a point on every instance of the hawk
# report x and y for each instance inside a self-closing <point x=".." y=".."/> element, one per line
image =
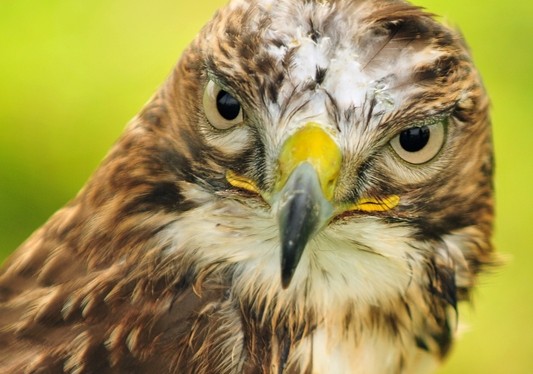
<point x="310" y="191"/>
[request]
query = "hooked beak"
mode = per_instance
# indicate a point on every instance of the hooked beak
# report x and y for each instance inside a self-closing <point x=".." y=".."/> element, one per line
<point x="302" y="212"/>
<point x="309" y="165"/>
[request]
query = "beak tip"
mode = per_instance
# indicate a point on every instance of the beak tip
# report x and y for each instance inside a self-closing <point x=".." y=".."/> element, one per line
<point x="285" y="280"/>
<point x="289" y="261"/>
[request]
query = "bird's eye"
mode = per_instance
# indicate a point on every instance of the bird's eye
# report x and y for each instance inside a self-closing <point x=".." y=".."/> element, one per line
<point x="222" y="110"/>
<point x="420" y="144"/>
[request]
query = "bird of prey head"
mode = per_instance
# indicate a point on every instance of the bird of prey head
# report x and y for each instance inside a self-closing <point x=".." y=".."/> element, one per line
<point x="309" y="192"/>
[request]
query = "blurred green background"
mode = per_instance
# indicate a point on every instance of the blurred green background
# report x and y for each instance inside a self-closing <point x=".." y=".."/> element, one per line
<point x="73" y="72"/>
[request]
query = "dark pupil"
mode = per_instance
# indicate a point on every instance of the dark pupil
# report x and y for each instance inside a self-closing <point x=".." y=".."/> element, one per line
<point x="227" y="106"/>
<point x="414" y="139"/>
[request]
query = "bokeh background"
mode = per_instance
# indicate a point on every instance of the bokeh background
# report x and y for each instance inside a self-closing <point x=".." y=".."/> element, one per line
<point x="73" y="72"/>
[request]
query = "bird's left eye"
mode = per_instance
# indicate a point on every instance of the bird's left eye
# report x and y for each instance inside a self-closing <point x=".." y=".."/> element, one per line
<point x="222" y="110"/>
<point x="419" y="144"/>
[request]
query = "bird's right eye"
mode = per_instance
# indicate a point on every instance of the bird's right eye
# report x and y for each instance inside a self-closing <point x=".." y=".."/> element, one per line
<point x="223" y="110"/>
<point x="420" y="144"/>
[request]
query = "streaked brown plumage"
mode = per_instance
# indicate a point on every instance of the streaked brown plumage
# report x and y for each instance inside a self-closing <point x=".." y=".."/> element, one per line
<point x="356" y="129"/>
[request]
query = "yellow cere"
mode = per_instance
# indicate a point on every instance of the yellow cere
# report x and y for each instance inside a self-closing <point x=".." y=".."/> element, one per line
<point x="314" y="145"/>
<point x="375" y="205"/>
<point x="241" y="182"/>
